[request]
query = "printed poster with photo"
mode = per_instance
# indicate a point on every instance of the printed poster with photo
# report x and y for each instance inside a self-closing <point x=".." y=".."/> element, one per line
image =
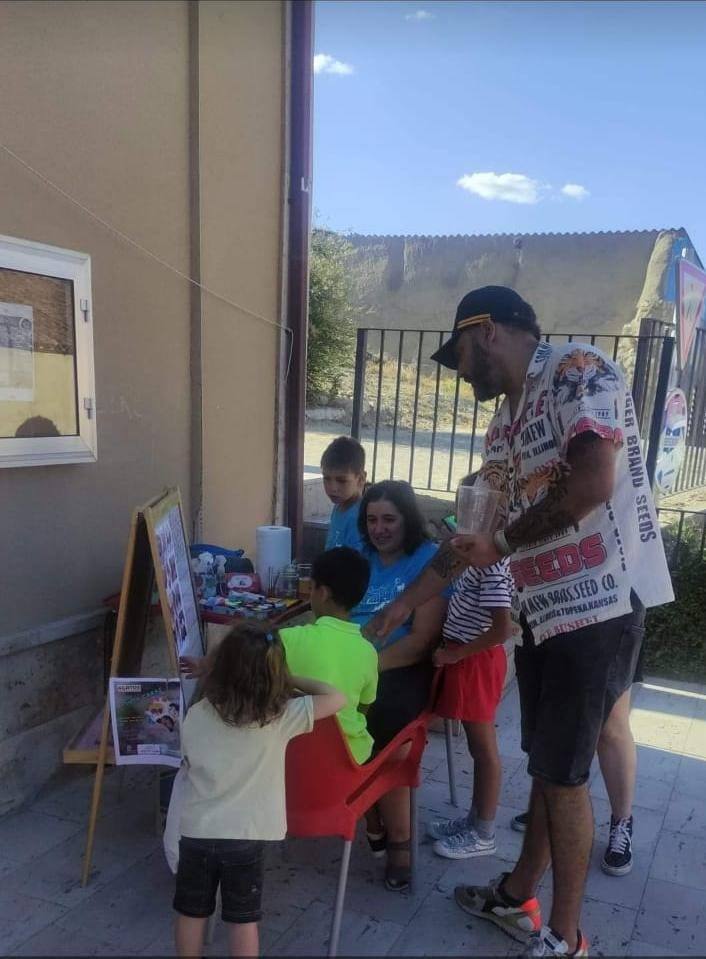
<point x="146" y="716"/>
<point x="177" y="585"/>
<point x="16" y="352"/>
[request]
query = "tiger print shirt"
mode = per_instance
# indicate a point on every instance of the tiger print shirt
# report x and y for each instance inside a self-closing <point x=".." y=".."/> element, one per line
<point x="585" y="574"/>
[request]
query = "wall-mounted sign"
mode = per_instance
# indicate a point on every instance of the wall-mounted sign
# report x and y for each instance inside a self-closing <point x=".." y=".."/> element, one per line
<point x="47" y="392"/>
<point x="691" y="291"/>
<point x="672" y="443"/>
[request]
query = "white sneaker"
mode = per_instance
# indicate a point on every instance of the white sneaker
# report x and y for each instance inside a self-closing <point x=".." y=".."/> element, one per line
<point x="464" y="845"/>
<point x="441" y="828"/>
<point x="544" y="943"/>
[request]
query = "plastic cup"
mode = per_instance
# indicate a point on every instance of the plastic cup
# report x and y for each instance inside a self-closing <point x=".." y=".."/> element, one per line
<point x="478" y="510"/>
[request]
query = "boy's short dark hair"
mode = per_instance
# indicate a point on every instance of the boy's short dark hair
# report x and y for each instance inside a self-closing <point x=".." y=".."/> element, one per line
<point x="345" y="572"/>
<point x="344" y="454"/>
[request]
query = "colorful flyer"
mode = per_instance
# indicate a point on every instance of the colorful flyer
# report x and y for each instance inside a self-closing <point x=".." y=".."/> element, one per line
<point x="146" y="716"/>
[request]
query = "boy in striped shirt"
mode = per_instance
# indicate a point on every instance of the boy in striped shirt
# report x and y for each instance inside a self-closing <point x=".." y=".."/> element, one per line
<point x="477" y="624"/>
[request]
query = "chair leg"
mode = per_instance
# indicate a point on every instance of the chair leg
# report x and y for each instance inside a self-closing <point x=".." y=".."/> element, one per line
<point x="450" y="762"/>
<point x="211" y="926"/>
<point x="413" y="839"/>
<point x="340" y="897"/>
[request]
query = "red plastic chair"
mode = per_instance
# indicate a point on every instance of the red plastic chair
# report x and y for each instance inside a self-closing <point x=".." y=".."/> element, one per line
<point x="328" y="791"/>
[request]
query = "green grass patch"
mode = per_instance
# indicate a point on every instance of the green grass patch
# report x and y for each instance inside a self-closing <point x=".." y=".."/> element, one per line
<point x="676" y="634"/>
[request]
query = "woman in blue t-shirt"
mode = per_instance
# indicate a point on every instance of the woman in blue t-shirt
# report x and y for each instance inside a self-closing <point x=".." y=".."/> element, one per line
<point x="398" y="548"/>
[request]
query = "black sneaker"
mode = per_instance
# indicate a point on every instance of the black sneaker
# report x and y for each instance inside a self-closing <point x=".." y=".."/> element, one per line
<point x="617" y="860"/>
<point x="519" y="823"/>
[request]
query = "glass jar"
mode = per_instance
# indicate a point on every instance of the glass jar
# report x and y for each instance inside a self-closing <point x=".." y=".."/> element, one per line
<point x="304" y="589"/>
<point x="290" y="579"/>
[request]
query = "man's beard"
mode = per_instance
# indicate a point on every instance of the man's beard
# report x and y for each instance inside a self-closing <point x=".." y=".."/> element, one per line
<point x="481" y="377"/>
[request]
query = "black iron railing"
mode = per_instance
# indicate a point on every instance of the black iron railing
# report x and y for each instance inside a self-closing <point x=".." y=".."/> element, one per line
<point x="419" y="422"/>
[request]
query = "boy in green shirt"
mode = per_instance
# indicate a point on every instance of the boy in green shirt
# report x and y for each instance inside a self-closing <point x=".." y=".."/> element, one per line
<point x="333" y="649"/>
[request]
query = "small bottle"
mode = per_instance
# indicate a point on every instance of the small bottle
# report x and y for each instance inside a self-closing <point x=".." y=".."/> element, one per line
<point x="290" y="579"/>
<point x="221" y="588"/>
<point x="209" y="582"/>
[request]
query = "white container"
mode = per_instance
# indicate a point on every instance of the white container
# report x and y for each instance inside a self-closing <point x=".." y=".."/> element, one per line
<point x="273" y="553"/>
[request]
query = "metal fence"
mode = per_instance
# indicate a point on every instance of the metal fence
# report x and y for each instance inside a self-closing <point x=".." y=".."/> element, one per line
<point x="693" y="382"/>
<point x="684" y="536"/>
<point x="421" y="423"/>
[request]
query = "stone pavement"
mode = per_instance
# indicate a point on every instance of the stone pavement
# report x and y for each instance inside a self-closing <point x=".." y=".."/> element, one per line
<point x="658" y="910"/>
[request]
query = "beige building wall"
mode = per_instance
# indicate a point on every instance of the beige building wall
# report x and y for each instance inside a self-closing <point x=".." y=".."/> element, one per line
<point x="101" y="103"/>
<point x="242" y="142"/>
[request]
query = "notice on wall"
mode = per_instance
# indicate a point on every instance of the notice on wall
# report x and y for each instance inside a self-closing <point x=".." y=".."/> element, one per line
<point x="146" y="717"/>
<point x="16" y="352"/>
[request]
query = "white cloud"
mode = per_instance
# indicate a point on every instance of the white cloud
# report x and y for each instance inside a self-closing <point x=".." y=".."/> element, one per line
<point x="323" y="63"/>
<point x="512" y="187"/>
<point x="575" y="191"/>
<point x="419" y="16"/>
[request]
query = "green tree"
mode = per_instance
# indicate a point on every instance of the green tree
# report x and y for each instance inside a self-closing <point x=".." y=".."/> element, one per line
<point x="331" y="348"/>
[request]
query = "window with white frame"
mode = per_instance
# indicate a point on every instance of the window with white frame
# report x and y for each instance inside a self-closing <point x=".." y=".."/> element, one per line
<point x="47" y="394"/>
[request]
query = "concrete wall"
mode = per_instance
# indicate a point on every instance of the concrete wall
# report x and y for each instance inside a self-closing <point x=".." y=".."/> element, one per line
<point x="101" y="101"/>
<point x="576" y="282"/>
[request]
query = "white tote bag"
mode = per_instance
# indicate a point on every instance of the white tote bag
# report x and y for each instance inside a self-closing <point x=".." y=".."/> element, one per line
<point x="172" y="832"/>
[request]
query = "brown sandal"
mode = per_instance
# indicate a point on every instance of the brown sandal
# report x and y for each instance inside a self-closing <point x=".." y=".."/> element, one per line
<point x="397" y="877"/>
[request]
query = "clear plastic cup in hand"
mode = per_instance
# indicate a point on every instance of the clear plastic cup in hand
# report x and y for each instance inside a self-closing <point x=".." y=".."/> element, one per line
<point x="478" y="510"/>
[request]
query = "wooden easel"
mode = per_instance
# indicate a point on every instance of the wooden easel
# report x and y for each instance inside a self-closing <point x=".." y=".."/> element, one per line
<point x="151" y="523"/>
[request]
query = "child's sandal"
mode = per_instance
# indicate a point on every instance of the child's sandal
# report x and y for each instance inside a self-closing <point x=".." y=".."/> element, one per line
<point x="377" y="842"/>
<point x="397" y="877"/>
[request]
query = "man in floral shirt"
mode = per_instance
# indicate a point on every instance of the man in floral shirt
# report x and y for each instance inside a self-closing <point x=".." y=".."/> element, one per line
<point x="586" y="554"/>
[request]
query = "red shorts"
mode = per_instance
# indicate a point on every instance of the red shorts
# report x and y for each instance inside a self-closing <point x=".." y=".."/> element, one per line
<point x="471" y="689"/>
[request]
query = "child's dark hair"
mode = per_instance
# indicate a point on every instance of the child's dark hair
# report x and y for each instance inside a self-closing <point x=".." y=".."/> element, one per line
<point x="402" y="496"/>
<point x="248" y="681"/>
<point x="470" y="479"/>
<point x="344" y="454"/>
<point x="345" y="572"/>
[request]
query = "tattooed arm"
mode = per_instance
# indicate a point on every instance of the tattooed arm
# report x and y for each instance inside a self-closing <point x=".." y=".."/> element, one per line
<point x="588" y="481"/>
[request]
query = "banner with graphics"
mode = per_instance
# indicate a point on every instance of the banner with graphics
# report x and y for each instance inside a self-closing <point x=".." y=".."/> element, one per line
<point x="691" y="293"/>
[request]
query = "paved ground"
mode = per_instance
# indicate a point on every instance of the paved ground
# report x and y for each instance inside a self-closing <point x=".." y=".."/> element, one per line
<point x="659" y="910"/>
<point x="319" y="435"/>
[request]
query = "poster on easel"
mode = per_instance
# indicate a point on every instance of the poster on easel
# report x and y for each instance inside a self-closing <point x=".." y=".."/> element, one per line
<point x="146" y="717"/>
<point x="175" y="582"/>
<point x="157" y="549"/>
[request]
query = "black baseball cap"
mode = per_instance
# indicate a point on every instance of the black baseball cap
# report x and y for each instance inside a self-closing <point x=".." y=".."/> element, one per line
<point x="497" y="303"/>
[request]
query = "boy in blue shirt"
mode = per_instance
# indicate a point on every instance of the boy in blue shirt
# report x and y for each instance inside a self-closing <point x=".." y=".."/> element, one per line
<point x="343" y="468"/>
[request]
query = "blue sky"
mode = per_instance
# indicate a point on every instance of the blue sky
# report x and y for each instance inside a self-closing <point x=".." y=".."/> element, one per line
<point x="593" y="109"/>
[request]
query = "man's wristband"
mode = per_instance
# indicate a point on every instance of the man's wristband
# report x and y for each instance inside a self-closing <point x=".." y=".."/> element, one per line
<point x="501" y="543"/>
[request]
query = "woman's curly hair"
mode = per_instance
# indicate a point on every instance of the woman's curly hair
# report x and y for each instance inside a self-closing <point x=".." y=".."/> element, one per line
<point x="248" y="680"/>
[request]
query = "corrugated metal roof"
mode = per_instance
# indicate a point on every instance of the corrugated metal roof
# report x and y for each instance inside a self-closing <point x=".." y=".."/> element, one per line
<point x="487" y="236"/>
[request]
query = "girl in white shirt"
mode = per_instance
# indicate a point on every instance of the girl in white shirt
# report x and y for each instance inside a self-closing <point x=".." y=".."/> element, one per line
<point x="234" y="740"/>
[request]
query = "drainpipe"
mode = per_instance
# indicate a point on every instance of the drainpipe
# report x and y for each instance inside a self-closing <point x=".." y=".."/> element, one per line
<point x="298" y="233"/>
